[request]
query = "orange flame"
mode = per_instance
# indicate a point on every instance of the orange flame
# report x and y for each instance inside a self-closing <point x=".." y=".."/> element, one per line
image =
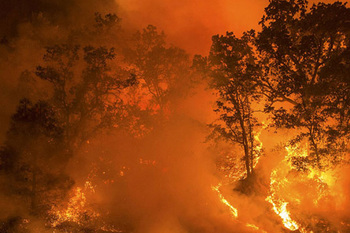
<point x="75" y="207"/>
<point x="278" y="179"/>
<point x="233" y="210"/>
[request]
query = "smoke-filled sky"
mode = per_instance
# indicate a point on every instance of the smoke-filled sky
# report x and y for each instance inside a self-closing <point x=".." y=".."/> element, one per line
<point x="187" y="24"/>
<point x="191" y="24"/>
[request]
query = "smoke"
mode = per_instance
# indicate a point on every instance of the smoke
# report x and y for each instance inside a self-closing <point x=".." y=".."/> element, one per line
<point x="191" y="24"/>
<point x="165" y="178"/>
<point x="160" y="182"/>
<point x="26" y="28"/>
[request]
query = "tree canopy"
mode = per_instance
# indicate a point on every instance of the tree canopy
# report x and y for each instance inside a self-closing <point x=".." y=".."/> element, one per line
<point x="301" y="49"/>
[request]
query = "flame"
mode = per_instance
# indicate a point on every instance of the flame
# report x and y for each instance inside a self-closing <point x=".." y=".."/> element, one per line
<point x="254" y="227"/>
<point x="280" y="208"/>
<point x="321" y="184"/>
<point x="76" y="207"/>
<point x="258" y="148"/>
<point x="278" y="179"/>
<point x="77" y="210"/>
<point x="233" y="210"/>
<point x="230" y="164"/>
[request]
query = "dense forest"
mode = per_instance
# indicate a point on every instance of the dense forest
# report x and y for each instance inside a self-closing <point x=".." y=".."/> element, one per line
<point x="110" y="128"/>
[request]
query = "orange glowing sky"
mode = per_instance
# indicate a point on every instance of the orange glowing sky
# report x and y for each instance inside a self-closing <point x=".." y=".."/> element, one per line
<point x="191" y="24"/>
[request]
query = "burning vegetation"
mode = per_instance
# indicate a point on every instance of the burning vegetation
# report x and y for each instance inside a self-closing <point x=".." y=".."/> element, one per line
<point x="111" y="129"/>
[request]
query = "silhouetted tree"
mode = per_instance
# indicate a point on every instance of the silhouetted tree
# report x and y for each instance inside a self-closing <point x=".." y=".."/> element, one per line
<point x="32" y="159"/>
<point x="234" y="74"/>
<point x="163" y="71"/>
<point x="86" y="100"/>
<point x="305" y="72"/>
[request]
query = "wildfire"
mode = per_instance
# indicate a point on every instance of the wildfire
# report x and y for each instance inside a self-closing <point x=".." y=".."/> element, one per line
<point x="277" y="181"/>
<point x="284" y="182"/>
<point x="280" y="208"/>
<point x="259" y="147"/>
<point x="76" y="207"/>
<point x="79" y="212"/>
<point x="254" y="227"/>
<point x="233" y="210"/>
<point x="230" y="164"/>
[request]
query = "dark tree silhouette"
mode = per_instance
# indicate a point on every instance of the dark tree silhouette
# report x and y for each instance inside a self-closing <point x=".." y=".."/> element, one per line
<point x="88" y="100"/>
<point x="163" y="71"/>
<point x="32" y="158"/>
<point x="305" y="81"/>
<point x="234" y="74"/>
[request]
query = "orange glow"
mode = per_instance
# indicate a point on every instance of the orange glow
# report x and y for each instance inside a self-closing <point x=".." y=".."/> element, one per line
<point x="252" y="226"/>
<point x="284" y="183"/>
<point x="76" y="207"/>
<point x="233" y="210"/>
<point x="141" y="117"/>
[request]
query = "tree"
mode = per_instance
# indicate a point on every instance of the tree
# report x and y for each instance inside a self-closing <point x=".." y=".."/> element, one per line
<point x="305" y="81"/>
<point x="87" y="96"/>
<point x="45" y="135"/>
<point x="234" y="75"/>
<point x="32" y="157"/>
<point x="164" y="72"/>
<point x="86" y="100"/>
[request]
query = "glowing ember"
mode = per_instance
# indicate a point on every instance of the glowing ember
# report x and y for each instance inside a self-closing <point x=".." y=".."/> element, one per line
<point x="110" y="229"/>
<point x="233" y="210"/>
<point x="256" y="228"/>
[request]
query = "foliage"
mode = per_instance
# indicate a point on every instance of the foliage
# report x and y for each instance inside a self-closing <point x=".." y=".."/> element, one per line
<point x="162" y="71"/>
<point x="30" y="156"/>
<point x="303" y="54"/>
<point x="234" y="72"/>
<point x="86" y="100"/>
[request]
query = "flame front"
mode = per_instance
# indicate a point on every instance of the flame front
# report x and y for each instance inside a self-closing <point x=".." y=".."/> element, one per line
<point x="280" y="208"/>
<point x="233" y="210"/>
<point x="76" y="207"/>
<point x="279" y="181"/>
<point x="286" y="194"/>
